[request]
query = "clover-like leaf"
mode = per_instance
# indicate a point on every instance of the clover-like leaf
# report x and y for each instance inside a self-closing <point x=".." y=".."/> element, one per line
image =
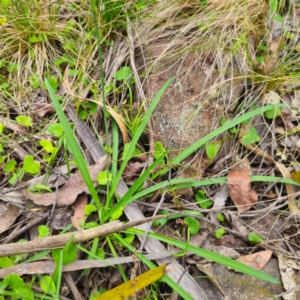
<point x="251" y="137"/>
<point x="123" y="74"/>
<point x="89" y="209"/>
<point x="203" y="201"/>
<point x="212" y="150"/>
<point x="24" y="120"/>
<point x="43" y="231"/>
<point x="30" y="165"/>
<point x="254" y="238"/>
<point x="220" y="232"/>
<point x="103" y="177"/>
<point x="47" y="145"/>
<point x="10" y="166"/>
<point x="56" y="129"/>
<point x="192" y="224"/>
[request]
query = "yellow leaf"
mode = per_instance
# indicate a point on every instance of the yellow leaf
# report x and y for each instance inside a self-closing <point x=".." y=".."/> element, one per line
<point x="3" y="20"/>
<point x="130" y="287"/>
<point x="296" y="176"/>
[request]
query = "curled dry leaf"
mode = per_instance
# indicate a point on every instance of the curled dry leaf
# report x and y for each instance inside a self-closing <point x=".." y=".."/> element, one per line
<point x="8" y="215"/>
<point x="132" y="170"/>
<point x="256" y="260"/>
<point x="54" y="180"/>
<point x="119" y="120"/>
<point x="223" y="250"/>
<point x="237" y="225"/>
<point x="61" y="218"/>
<point x="238" y="181"/>
<point x="68" y="193"/>
<point x="219" y="200"/>
<point x="41" y="109"/>
<point x="288" y="278"/>
<point x="78" y="208"/>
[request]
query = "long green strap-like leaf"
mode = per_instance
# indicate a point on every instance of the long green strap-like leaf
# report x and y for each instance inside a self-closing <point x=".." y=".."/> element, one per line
<point x="140" y="130"/>
<point x="220" y="259"/>
<point x="73" y="144"/>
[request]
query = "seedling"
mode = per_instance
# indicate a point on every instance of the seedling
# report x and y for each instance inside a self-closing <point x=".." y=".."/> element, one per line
<point x="69" y="253"/>
<point x="273" y="113"/>
<point x="43" y="231"/>
<point x="220" y="232"/>
<point x="192" y="225"/>
<point x="24" y="120"/>
<point x="30" y="165"/>
<point x="10" y="166"/>
<point x="47" y="284"/>
<point x="251" y="137"/>
<point x="221" y="217"/>
<point x="104" y="177"/>
<point x="254" y="238"/>
<point x="15" y="284"/>
<point x="203" y="201"/>
<point x="212" y="149"/>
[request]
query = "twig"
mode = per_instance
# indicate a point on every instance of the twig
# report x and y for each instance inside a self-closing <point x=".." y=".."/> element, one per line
<point x="2" y="197"/>
<point x="285" y="293"/>
<point x="58" y="241"/>
<point x="72" y="286"/>
<point x="25" y="228"/>
<point x="48" y="266"/>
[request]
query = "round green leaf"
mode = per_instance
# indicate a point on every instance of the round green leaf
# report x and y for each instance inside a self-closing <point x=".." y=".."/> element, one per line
<point x="220" y="232"/>
<point x="251" y="137"/>
<point x="47" y="145"/>
<point x="254" y="238"/>
<point x="89" y="208"/>
<point x="5" y="3"/>
<point x="212" y="150"/>
<point x="273" y="113"/>
<point x="30" y="165"/>
<point x="193" y="225"/>
<point x="43" y="231"/>
<point x="10" y="166"/>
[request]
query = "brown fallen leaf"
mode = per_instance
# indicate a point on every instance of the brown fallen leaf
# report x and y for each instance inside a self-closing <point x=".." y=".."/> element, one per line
<point x="223" y="250"/>
<point x="288" y="278"/>
<point x="69" y="192"/>
<point x="41" y="109"/>
<point x="256" y="260"/>
<point x="132" y="171"/>
<point x="238" y="181"/>
<point x="61" y="218"/>
<point x="8" y="215"/>
<point x="78" y="208"/>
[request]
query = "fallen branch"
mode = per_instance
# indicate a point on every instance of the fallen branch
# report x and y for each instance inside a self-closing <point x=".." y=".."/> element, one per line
<point x="59" y="241"/>
<point x="48" y="266"/>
